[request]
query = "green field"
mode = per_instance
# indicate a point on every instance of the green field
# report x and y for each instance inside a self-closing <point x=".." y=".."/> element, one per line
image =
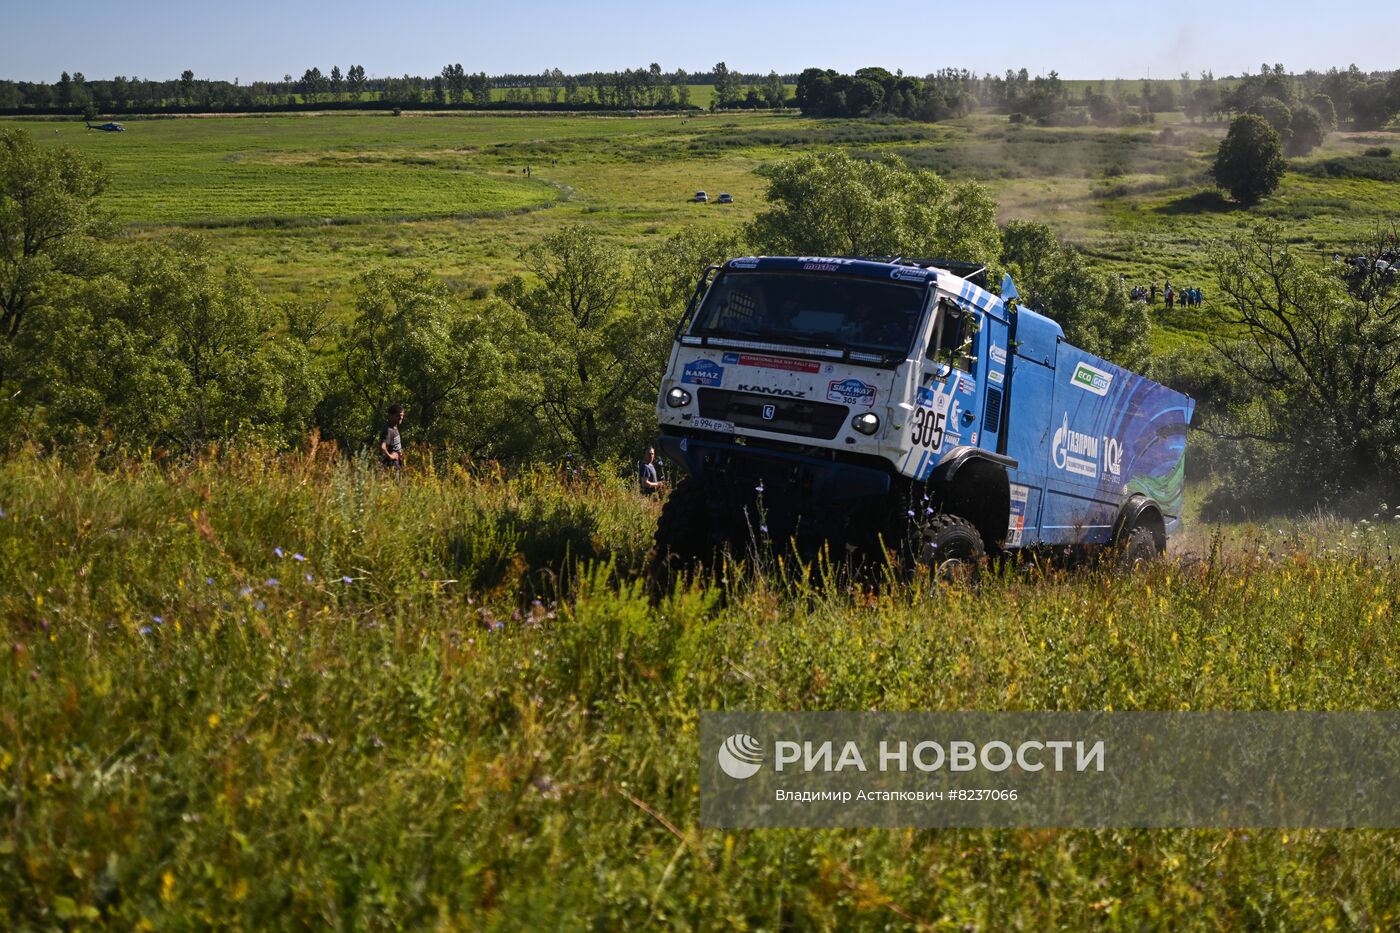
<point x="196" y="730"/>
<point x="311" y="201"/>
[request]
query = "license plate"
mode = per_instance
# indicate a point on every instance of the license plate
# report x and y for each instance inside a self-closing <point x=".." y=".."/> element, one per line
<point x="711" y="424"/>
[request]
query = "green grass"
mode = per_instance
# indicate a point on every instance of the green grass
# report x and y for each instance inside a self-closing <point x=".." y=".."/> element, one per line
<point x="184" y="742"/>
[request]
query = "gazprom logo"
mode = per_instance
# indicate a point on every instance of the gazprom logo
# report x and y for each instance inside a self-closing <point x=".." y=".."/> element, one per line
<point x="1092" y="379"/>
<point x="740" y="756"/>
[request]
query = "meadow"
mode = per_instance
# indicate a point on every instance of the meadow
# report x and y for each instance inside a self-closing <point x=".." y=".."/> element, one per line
<point x="310" y="202"/>
<point x="267" y="693"/>
<point x="263" y="690"/>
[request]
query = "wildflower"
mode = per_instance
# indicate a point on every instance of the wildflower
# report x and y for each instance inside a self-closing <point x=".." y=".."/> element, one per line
<point x="759" y="487"/>
<point x="245" y="591"/>
<point x="376" y="741"/>
<point x="298" y="557"/>
<point x="208" y="581"/>
<point x="2" y="513"/>
<point x="213" y="720"/>
<point x="763" y="528"/>
<point x="347" y="579"/>
<point x="145" y="630"/>
<point x="910" y="513"/>
<point x="158" y="620"/>
<point x="271" y="581"/>
<point x="260" y="605"/>
<point x="310" y="578"/>
<point x="279" y="552"/>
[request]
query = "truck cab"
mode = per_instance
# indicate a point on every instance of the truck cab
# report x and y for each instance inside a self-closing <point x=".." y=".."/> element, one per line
<point x="855" y="402"/>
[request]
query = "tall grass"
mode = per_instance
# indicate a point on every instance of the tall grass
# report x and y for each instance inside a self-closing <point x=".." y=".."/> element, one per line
<point x="184" y="742"/>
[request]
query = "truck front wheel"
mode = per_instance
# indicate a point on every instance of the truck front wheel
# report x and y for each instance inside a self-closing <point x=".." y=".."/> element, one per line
<point x="682" y="533"/>
<point x="951" y="546"/>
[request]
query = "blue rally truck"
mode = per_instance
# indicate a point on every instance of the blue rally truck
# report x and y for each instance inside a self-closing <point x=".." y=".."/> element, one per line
<point x="857" y="402"/>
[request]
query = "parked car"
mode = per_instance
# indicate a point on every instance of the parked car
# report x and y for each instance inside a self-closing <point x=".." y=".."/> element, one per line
<point x="725" y="199"/>
<point x="700" y="198"/>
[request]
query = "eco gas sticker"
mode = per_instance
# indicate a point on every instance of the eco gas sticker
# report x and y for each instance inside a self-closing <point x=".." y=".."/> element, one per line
<point x="1092" y="379"/>
<point x="702" y="373"/>
<point x="851" y="392"/>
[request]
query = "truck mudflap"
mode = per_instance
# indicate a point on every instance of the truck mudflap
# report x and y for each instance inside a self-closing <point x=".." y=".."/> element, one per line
<point x="754" y="491"/>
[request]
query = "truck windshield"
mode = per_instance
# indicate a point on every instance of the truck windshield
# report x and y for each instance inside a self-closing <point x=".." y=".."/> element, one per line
<point x="811" y="310"/>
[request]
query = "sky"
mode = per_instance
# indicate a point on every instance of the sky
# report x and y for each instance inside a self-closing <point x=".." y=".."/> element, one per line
<point x="258" y="40"/>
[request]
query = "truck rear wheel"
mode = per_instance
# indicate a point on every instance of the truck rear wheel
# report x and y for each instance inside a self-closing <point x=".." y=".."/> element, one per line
<point x="1139" y="549"/>
<point x="951" y="546"/>
<point x="682" y="533"/>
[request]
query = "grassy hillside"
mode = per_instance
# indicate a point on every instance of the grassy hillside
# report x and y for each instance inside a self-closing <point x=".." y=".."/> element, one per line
<point x="376" y="725"/>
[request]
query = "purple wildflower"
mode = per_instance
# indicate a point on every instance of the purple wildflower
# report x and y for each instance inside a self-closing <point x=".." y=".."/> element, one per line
<point x="157" y="620"/>
<point x="310" y="578"/>
<point x="271" y="581"/>
<point x="279" y="552"/>
<point x="347" y="579"/>
<point x="298" y="557"/>
<point x="145" y="630"/>
<point x="245" y="591"/>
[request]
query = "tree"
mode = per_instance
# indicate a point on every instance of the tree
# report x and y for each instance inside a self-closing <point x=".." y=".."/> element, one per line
<point x="831" y="204"/>
<point x="187" y="86"/>
<point x="407" y="342"/>
<point x="173" y="347"/>
<point x="337" y="82"/>
<point x="1249" y="163"/>
<point x="726" y="86"/>
<point x="1320" y="352"/>
<point x="49" y="215"/>
<point x="1306" y="131"/>
<point x="590" y="363"/>
<point x="355" y="81"/>
<point x="774" y="91"/>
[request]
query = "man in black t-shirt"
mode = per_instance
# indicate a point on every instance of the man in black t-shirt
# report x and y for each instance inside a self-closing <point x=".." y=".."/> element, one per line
<point x="390" y="444"/>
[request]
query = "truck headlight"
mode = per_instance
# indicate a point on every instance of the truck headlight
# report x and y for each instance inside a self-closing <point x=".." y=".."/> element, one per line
<point x="678" y="398"/>
<point x="867" y="423"/>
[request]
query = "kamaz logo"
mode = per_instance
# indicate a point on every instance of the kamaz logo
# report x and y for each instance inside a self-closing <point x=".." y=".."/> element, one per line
<point x="1092" y="379"/>
<point x="770" y="390"/>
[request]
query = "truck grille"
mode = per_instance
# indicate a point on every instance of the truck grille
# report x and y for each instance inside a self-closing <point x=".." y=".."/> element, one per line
<point x="790" y="416"/>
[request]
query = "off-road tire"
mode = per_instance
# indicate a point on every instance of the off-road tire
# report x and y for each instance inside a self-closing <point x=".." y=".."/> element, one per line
<point x="951" y="547"/>
<point x="1138" y="550"/>
<point x="682" y="535"/>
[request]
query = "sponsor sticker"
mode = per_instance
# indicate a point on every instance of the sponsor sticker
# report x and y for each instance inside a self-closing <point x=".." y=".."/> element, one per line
<point x="851" y="392"/>
<point x="1016" y="525"/>
<point x="748" y="262"/>
<point x="995" y="376"/>
<point x="1074" y="452"/>
<point x="702" y="373"/>
<point x="772" y="362"/>
<point x="998" y="354"/>
<point x="966" y="385"/>
<point x="1092" y="379"/>
<point x="712" y="424"/>
<point x="907" y="274"/>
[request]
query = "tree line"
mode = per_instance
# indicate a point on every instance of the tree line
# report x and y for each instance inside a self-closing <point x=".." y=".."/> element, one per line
<point x="646" y="87"/>
<point x="1301" y="107"/>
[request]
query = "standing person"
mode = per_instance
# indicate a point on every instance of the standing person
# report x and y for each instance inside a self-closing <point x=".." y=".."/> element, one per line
<point x="1170" y="296"/>
<point x="1154" y="293"/>
<point x="647" y="477"/>
<point x="390" y="444"/>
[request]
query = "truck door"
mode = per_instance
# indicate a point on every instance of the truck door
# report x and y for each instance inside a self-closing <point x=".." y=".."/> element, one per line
<point x="948" y="413"/>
